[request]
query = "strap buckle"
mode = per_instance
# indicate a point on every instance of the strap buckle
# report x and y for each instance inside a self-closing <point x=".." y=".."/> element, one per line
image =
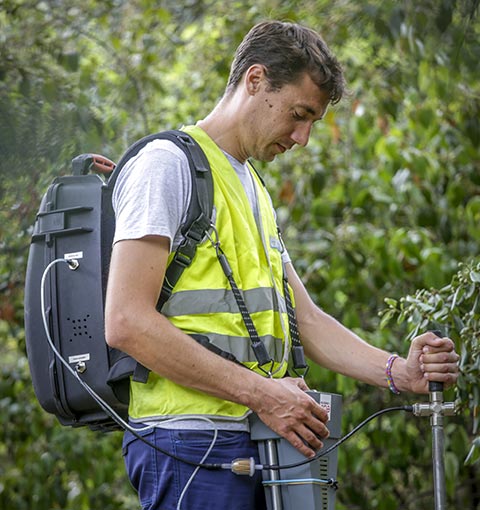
<point x="269" y="372"/>
<point x="301" y="372"/>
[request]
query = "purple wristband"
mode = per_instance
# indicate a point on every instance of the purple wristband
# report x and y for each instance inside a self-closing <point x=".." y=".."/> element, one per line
<point x="388" y="373"/>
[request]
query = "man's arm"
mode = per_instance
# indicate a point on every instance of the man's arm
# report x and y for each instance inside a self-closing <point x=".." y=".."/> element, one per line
<point x="134" y="326"/>
<point x="330" y="344"/>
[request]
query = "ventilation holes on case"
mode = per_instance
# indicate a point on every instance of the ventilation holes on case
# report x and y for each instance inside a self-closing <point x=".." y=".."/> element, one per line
<point x="79" y="328"/>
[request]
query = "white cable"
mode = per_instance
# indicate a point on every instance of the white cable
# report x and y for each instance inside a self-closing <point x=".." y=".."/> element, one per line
<point x="104" y="405"/>
<point x="204" y="458"/>
<point x="73" y="264"/>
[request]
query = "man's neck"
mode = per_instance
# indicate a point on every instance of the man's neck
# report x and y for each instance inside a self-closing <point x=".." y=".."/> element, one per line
<point x="223" y="126"/>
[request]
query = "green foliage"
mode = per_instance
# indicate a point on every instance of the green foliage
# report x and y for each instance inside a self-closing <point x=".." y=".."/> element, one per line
<point x="383" y="201"/>
<point x="456" y="309"/>
<point x="43" y="465"/>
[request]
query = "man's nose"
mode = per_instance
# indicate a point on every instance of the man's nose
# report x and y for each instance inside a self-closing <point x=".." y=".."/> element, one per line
<point x="301" y="134"/>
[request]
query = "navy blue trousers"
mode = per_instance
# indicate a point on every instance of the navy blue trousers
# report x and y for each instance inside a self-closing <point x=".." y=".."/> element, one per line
<point x="160" y="480"/>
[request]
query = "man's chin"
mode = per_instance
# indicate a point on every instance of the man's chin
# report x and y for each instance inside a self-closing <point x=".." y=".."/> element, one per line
<point x="265" y="158"/>
<point x="276" y="150"/>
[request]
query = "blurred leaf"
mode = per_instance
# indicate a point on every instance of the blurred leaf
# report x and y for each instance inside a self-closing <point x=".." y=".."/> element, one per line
<point x="382" y="202"/>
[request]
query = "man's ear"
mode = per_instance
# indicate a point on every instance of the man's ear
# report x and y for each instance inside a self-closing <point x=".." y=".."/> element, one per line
<point x="255" y="77"/>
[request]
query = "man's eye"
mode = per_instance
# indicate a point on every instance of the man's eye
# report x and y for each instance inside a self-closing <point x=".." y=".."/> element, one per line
<point x="298" y="116"/>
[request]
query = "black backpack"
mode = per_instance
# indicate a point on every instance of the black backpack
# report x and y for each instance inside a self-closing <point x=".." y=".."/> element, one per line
<point x="66" y="279"/>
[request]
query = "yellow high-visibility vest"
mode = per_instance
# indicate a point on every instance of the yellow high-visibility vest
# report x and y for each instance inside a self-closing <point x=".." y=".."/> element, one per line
<point x="202" y="301"/>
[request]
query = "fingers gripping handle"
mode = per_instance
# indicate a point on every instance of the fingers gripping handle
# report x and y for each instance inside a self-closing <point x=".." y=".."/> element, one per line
<point x="435" y="385"/>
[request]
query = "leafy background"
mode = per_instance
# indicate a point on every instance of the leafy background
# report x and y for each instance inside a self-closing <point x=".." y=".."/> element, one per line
<point x="381" y="212"/>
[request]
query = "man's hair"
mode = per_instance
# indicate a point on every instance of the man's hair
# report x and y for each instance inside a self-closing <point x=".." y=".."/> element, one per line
<point x="287" y="51"/>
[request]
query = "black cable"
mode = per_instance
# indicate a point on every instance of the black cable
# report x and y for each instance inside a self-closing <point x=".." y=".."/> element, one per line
<point x="276" y="467"/>
<point x="322" y="453"/>
<point x="124" y="426"/>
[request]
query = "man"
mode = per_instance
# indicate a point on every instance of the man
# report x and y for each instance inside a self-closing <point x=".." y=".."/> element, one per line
<point x="282" y="79"/>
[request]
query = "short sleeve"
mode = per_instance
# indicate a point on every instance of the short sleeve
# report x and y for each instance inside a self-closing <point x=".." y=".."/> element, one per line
<point x="152" y="194"/>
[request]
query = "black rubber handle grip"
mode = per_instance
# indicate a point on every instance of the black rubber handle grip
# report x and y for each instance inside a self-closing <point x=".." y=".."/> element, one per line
<point x="436" y="385"/>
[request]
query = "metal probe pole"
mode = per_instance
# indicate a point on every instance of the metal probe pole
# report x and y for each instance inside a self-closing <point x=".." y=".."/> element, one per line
<point x="438" y="445"/>
<point x="437" y="409"/>
<point x="274" y="475"/>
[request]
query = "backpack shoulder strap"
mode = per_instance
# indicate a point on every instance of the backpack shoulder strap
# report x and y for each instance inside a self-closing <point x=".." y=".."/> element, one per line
<point x="198" y="215"/>
<point x="200" y="207"/>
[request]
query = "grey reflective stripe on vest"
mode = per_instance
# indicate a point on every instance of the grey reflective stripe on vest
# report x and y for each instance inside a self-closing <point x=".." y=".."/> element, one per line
<point x="240" y="346"/>
<point x="196" y="302"/>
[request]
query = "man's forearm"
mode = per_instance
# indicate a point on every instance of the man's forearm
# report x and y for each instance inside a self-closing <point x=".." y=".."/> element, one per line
<point x="335" y="347"/>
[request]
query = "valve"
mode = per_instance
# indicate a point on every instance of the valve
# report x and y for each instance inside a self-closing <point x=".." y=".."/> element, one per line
<point x="435" y="409"/>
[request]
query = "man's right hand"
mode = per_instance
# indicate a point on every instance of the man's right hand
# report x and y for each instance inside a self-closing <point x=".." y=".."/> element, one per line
<point x="283" y="406"/>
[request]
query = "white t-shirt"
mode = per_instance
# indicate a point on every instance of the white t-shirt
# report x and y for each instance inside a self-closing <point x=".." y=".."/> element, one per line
<point x="152" y="193"/>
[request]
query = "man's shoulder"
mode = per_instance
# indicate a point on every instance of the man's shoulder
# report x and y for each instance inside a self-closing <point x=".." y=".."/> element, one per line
<point x="161" y="148"/>
<point x="159" y="159"/>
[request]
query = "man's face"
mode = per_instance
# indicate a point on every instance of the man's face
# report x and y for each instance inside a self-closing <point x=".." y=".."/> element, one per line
<point x="283" y="118"/>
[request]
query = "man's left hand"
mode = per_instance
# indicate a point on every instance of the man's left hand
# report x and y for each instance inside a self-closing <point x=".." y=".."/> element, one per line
<point x="431" y="358"/>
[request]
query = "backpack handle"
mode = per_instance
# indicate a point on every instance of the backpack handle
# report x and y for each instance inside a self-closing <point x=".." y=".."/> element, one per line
<point x="85" y="163"/>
